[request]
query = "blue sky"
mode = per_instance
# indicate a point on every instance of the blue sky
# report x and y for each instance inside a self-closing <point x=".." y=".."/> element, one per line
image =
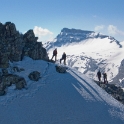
<point x="48" y="17"/>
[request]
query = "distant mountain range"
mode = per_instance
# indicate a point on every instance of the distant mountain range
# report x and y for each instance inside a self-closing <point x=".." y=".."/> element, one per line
<point x="88" y="52"/>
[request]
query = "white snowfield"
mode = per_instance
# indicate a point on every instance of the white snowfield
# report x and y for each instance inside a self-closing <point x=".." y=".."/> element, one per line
<point x="90" y="55"/>
<point x="69" y="98"/>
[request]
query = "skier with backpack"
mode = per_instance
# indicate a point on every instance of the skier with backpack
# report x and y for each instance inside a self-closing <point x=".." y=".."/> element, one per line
<point x="63" y="58"/>
<point x="54" y="54"/>
<point x="105" y="78"/>
<point x="99" y="75"/>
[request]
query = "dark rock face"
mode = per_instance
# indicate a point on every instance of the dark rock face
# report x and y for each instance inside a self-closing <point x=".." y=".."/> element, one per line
<point x="10" y="44"/>
<point x="14" y="45"/>
<point x="30" y="37"/>
<point x="33" y="48"/>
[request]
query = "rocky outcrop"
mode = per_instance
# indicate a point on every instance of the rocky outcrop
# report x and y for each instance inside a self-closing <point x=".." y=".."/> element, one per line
<point x="116" y="91"/>
<point x="35" y="75"/>
<point x="14" y="45"/>
<point x="11" y="44"/>
<point x="33" y="48"/>
<point x="6" y="80"/>
<point x="60" y="69"/>
<point x="20" y="83"/>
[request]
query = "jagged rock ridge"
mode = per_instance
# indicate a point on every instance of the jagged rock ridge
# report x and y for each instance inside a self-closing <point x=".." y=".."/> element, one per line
<point x="14" y="45"/>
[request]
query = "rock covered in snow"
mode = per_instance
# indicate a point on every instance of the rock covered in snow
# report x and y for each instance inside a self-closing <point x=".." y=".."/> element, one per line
<point x="21" y="83"/>
<point x="6" y="80"/>
<point x="35" y="75"/>
<point x="60" y="69"/>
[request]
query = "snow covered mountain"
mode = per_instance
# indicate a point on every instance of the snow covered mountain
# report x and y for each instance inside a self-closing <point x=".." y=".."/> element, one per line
<point x="68" y="36"/>
<point x="88" y="52"/>
<point x="56" y="98"/>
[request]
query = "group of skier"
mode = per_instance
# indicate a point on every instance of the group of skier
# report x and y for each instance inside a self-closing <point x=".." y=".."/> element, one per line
<point x="63" y="56"/>
<point x="99" y="75"/>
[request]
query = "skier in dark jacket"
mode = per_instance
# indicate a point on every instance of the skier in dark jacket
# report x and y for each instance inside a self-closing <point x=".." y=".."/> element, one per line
<point x="63" y="58"/>
<point x="54" y="54"/>
<point x="105" y="78"/>
<point x="99" y="75"/>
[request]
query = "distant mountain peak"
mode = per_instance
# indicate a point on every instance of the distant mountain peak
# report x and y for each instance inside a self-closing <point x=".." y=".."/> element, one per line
<point x="78" y="34"/>
<point x="73" y="35"/>
<point x="68" y="36"/>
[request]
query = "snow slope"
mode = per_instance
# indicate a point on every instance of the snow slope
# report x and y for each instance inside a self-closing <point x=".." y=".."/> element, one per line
<point x="91" y="54"/>
<point x="70" y="98"/>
